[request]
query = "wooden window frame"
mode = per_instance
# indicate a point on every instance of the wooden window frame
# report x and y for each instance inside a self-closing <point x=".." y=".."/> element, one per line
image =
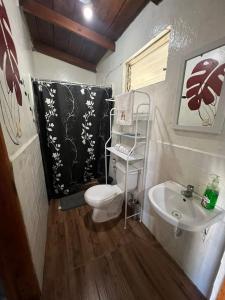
<point x="146" y="46"/>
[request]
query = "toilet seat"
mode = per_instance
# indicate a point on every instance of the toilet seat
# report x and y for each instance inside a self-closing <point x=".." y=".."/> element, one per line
<point x="102" y="194"/>
<point x="107" y="200"/>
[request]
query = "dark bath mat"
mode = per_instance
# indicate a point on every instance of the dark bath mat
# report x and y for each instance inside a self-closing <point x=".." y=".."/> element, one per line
<point x="72" y="201"/>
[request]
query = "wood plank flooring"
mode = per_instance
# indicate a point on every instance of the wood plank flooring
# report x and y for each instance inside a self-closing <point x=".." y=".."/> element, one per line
<point x="221" y="295"/>
<point x="92" y="261"/>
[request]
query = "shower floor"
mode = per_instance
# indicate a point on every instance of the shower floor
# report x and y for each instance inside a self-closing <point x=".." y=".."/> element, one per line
<point x="103" y="261"/>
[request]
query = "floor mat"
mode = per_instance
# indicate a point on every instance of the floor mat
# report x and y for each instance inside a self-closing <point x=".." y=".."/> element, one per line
<point x="72" y="201"/>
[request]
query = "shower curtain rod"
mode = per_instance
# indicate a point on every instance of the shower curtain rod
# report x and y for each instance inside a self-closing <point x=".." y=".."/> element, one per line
<point x="67" y="82"/>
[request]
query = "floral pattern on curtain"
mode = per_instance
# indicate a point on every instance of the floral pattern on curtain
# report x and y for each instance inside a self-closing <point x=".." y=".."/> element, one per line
<point x="73" y="123"/>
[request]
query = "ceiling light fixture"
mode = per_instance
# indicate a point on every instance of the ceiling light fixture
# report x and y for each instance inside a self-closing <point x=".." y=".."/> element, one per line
<point x="87" y="9"/>
<point x="88" y="12"/>
<point x="85" y="1"/>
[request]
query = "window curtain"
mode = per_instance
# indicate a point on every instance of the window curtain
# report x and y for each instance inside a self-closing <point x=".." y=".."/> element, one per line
<point x="73" y="122"/>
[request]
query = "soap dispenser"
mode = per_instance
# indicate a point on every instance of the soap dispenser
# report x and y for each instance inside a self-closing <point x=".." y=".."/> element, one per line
<point x="211" y="193"/>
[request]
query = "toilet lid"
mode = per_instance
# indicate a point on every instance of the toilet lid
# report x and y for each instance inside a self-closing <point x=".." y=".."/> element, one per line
<point x="100" y="193"/>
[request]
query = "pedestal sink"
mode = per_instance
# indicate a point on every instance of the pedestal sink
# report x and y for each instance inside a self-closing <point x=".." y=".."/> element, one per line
<point x="184" y="213"/>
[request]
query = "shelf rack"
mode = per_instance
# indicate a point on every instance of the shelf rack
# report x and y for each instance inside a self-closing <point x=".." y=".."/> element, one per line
<point x="132" y="156"/>
<point x="139" y="137"/>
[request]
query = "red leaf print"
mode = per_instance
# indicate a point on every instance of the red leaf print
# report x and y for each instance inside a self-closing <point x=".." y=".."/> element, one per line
<point x="206" y="82"/>
<point x="8" y="56"/>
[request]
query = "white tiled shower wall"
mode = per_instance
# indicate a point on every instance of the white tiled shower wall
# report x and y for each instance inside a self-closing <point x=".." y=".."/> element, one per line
<point x="185" y="157"/>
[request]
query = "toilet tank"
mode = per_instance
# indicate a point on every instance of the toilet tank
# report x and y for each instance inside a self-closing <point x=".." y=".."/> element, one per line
<point x="132" y="177"/>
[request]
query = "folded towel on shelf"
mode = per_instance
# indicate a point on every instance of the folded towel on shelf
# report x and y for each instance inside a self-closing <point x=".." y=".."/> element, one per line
<point x="124" y="107"/>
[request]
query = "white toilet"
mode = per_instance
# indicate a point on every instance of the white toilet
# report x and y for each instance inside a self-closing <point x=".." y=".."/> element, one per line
<point x="107" y="200"/>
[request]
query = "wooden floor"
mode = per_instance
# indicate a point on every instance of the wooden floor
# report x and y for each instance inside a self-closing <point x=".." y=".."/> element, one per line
<point x="92" y="261"/>
<point x="221" y="295"/>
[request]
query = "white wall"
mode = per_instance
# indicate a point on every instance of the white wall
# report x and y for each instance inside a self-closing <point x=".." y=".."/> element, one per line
<point x="185" y="157"/>
<point x="46" y="67"/>
<point x="26" y="157"/>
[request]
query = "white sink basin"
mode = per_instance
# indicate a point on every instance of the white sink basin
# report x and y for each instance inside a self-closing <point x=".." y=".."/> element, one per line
<point x="184" y="213"/>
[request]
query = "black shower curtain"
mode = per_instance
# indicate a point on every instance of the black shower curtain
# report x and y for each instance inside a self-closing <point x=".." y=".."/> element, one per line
<point x="73" y="123"/>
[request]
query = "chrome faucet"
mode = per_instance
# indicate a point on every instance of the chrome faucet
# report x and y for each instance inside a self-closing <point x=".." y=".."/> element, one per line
<point x="188" y="193"/>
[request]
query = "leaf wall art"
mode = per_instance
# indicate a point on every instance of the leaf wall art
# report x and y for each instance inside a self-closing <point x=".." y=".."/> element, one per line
<point x="10" y="84"/>
<point x="205" y="83"/>
<point x="201" y="102"/>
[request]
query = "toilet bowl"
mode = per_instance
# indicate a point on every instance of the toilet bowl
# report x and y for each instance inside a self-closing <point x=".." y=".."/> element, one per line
<point x="107" y="200"/>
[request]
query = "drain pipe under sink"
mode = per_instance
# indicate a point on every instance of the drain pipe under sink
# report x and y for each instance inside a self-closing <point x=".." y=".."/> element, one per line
<point x="177" y="232"/>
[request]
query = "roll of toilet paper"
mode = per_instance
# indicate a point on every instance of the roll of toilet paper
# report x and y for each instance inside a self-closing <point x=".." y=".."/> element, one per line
<point x="117" y="147"/>
<point x="123" y="149"/>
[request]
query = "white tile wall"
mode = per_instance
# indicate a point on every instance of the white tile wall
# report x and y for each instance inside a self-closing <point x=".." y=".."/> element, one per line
<point x="199" y="259"/>
<point x="30" y="184"/>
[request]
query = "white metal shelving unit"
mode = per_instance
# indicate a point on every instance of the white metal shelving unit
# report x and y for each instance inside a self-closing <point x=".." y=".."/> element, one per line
<point x="132" y="157"/>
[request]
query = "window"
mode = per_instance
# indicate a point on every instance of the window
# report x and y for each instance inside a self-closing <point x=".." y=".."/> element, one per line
<point x="148" y="65"/>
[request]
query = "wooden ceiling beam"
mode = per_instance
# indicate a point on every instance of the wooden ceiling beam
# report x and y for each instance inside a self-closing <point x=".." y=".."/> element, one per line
<point x="53" y="17"/>
<point x="50" y="51"/>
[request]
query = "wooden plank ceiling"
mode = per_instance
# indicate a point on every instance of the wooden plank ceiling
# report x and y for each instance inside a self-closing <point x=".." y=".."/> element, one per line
<point x="59" y="29"/>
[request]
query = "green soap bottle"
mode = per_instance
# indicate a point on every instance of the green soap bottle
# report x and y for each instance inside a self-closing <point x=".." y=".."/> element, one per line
<point x="211" y="193"/>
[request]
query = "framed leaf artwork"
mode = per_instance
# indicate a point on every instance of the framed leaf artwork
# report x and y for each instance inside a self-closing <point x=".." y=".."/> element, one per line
<point x="201" y="103"/>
